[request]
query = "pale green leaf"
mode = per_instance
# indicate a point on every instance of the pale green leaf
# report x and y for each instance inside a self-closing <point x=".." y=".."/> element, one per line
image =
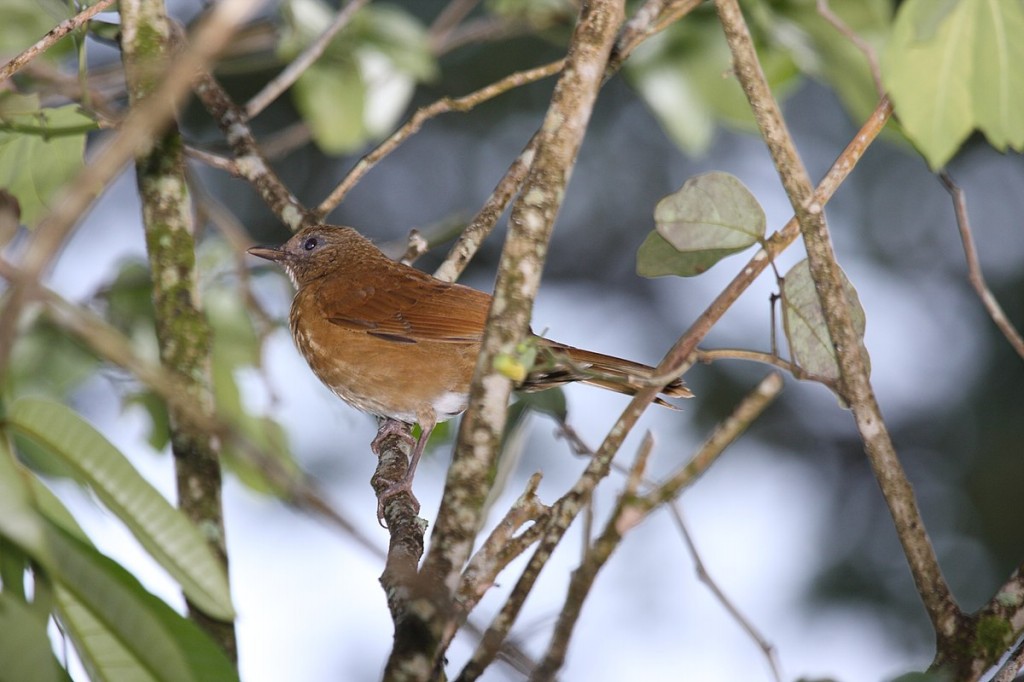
<point x="713" y="211"/>
<point x="165" y="533"/>
<point x="20" y="521"/>
<point x="684" y="75"/>
<point x="804" y="322"/>
<point x="102" y="654"/>
<point x="25" y="21"/>
<point x="998" y="82"/>
<point x="953" y="69"/>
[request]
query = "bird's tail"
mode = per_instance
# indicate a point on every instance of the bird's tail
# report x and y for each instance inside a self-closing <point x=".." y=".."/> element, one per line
<point x="560" y="364"/>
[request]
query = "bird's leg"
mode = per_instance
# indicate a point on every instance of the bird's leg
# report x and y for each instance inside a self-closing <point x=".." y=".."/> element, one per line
<point x="404" y="485"/>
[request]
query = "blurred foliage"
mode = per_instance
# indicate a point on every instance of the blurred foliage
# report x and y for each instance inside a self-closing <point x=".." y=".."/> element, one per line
<point x="363" y="81"/>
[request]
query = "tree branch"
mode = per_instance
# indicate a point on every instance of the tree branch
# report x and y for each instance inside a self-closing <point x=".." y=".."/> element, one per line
<point x="532" y="221"/>
<point x="855" y="385"/>
<point x="183" y="333"/>
<point x="632" y="508"/>
<point x="423" y="114"/>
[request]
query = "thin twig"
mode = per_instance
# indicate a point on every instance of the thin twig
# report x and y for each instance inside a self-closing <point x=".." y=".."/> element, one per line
<point x="422" y="115"/>
<point x="483" y="30"/>
<point x="417" y="246"/>
<point x="798" y="372"/>
<point x="974" y="273"/>
<point x="624" y="516"/>
<point x="825" y="10"/>
<point x="855" y="384"/>
<point x="580" y="448"/>
<point x="631" y="509"/>
<point x="291" y="73"/>
<point x="500" y="548"/>
<point x="468" y="243"/>
<point x="766" y="647"/>
<point x="53" y="35"/>
<point x="651" y="18"/>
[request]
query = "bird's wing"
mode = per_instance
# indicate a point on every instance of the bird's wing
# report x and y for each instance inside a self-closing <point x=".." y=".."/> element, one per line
<point x="409" y="306"/>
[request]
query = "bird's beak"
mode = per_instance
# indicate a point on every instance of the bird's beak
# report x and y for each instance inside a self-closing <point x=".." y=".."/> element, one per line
<point x="271" y="253"/>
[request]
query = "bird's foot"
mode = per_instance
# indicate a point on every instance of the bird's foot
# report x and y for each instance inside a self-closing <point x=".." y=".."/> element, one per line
<point x="402" y="486"/>
<point x="390" y="427"/>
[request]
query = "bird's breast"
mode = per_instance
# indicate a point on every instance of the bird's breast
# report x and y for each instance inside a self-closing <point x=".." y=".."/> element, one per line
<point x="408" y="381"/>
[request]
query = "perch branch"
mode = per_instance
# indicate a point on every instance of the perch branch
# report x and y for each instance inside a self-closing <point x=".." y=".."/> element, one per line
<point x="532" y="222"/>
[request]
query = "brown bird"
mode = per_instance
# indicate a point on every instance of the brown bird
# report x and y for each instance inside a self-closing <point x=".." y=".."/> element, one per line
<point x="396" y="342"/>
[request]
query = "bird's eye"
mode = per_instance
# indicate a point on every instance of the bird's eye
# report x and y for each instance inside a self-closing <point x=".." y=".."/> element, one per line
<point x="310" y="244"/>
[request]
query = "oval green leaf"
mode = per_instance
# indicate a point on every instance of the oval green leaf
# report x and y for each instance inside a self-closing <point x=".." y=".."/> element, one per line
<point x="710" y="212"/>
<point x="804" y="322"/>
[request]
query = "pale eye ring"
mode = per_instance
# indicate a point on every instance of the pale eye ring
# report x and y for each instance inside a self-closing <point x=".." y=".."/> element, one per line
<point x="310" y="244"/>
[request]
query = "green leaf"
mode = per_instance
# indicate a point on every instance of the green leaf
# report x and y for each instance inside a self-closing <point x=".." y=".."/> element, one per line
<point x="157" y="640"/>
<point x="102" y="654"/>
<point x="953" y="69"/>
<point x="164" y="532"/>
<point x="25" y="652"/>
<point x="804" y="322"/>
<point x="657" y="258"/>
<point x="550" y="402"/>
<point x="40" y="151"/>
<point x="24" y="21"/>
<point x="711" y="211"/>
<point x="398" y="36"/>
<point x="162" y="642"/>
<point x="710" y="217"/>
<point x="365" y="78"/>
